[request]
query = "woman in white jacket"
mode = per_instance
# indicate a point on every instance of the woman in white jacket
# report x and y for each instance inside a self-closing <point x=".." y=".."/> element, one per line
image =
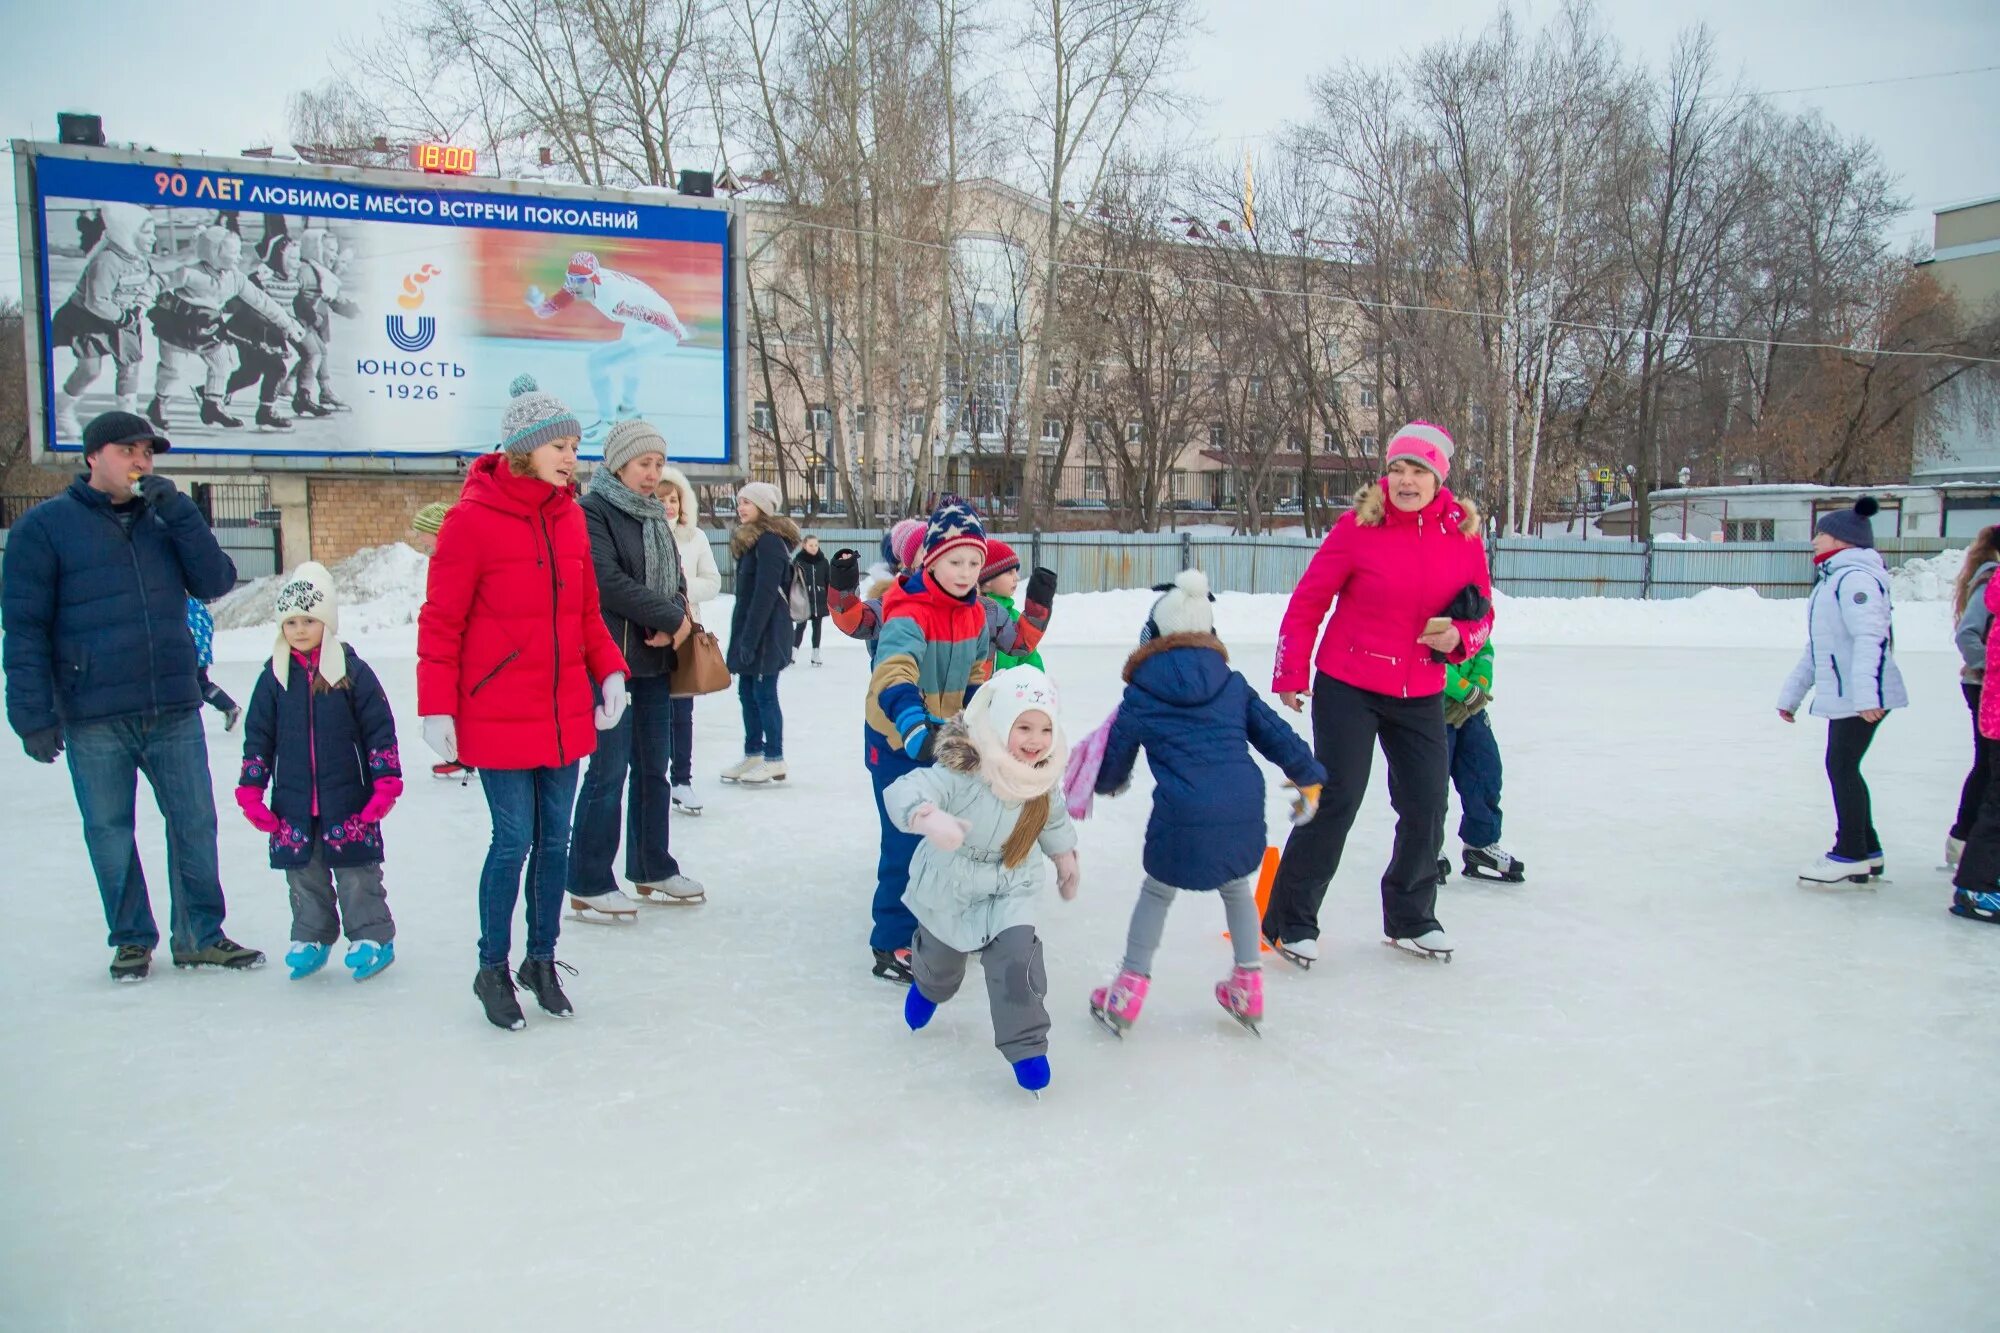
<point x="1849" y="667"/>
<point x="704" y="583"/>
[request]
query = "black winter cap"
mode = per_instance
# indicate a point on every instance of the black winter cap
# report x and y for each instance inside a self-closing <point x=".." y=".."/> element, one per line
<point x="121" y="428"/>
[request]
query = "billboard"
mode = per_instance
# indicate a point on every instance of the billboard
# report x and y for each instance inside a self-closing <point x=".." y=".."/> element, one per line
<point x="344" y="315"/>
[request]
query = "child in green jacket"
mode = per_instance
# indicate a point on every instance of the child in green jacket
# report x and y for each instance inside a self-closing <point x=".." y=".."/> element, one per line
<point x="1473" y="754"/>
<point x="997" y="582"/>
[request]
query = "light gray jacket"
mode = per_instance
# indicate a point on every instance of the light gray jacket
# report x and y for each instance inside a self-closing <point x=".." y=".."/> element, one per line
<point x="1970" y="634"/>
<point x="965" y="898"/>
<point x="1849" y="664"/>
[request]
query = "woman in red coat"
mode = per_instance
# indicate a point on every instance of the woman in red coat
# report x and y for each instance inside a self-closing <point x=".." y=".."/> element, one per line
<point x="1406" y="553"/>
<point x="512" y="659"/>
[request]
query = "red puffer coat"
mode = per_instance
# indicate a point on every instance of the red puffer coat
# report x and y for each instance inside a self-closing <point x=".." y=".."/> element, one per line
<point x="1392" y="571"/>
<point x="510" y="641"/>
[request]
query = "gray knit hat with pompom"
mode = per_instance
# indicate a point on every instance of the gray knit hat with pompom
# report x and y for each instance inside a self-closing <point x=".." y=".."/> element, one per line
<point x="534" y="418"/>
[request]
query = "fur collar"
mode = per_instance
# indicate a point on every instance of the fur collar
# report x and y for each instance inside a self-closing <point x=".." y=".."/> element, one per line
<point x="746" y="536"/>
<point x="1166" y="643"/>
<point x="1371" y="505"/>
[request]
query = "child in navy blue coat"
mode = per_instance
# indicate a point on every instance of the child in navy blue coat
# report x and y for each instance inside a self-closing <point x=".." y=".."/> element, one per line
<point x="321" y="740"/>
<point x="1197" y="720"/>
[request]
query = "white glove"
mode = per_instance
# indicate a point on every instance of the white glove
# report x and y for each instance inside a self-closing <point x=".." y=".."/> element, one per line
<point x="441" y="734"/>
<point x="1068" y="876"/>
<point x="534" y="298"/>
<point x="614" y="703"/>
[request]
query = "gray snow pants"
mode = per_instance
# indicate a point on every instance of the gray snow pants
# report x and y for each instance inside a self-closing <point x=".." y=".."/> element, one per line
<point x="1015" y="985"/>
<point x="363" y="902"/>
<point x="1149" y="920"/>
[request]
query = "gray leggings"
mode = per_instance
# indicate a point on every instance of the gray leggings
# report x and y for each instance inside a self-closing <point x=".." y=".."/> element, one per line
<point x="1149" y="919"/>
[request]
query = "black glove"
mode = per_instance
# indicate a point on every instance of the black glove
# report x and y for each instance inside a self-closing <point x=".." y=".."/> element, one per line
<point x="1041" y="588"/>
<point x="157" y="491"/>
<point x="1470" y="604"/>
<point x="845" y="576"/>
<point x="43" y="746"/>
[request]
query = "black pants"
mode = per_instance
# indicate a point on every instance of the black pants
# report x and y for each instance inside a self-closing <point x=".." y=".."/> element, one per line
<point x="1847" y="739"/>
<point x="1347" y="723"/>
<point x="1973" y="793"/>
<point x="1979" y="868"/>
<point x="799" y="632"/>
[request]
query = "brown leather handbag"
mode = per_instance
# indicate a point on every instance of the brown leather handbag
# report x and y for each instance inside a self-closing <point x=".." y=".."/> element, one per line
<point x="698" y="665"/>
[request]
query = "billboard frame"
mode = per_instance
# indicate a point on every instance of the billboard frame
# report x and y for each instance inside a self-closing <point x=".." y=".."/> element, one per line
<point x="35" y="308"/>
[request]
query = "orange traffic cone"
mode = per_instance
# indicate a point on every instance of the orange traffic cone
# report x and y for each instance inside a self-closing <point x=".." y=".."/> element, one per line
<point x="1267" y="874"/>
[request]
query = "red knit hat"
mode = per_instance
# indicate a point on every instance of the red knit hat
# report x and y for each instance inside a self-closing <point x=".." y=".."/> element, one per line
<point x="1000" y="559"/>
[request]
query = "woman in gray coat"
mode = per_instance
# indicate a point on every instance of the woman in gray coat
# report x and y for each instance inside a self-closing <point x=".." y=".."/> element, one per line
<point x="984" y="810"/>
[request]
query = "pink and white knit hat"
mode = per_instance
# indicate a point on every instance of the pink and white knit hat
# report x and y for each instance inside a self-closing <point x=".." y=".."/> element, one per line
<point x="1423" y="444"/>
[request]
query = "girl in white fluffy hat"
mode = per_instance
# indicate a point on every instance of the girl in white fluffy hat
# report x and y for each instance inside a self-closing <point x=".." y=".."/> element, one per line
<point x="984" y="811"/>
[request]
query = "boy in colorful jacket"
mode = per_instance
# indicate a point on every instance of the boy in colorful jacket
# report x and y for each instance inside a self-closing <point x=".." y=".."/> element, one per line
<point x="1473" y="755"/>
<point x="935" y="647"/>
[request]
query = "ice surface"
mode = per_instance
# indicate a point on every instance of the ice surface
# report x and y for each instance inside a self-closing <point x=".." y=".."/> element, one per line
<point x="1660" y="1088"/>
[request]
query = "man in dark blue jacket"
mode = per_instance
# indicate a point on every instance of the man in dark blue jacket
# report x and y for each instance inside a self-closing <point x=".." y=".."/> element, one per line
<point x="93" y="602"/>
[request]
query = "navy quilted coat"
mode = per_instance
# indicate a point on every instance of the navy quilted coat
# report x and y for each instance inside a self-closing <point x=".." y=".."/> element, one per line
<point x="320" y="749"/>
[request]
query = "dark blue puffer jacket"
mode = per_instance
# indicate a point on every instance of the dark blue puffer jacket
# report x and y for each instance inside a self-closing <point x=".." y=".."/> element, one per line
<point x="1197" y="721"/>
<point x="95" y="618"/>
<point x="320" y="750"/>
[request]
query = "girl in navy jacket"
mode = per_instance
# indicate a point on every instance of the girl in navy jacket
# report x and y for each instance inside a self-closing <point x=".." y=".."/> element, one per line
<point x="320" y="739"/>
<point x="1197" y="721"/>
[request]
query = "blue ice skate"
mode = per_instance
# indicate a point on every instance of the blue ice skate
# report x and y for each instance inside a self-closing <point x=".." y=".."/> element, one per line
<point x="1032" y="1073"/>
<point x="917" y="1010"/>
<point x="305" y="959"/>
<point x="1976" y="906"/>
<point x="366" y="958"/>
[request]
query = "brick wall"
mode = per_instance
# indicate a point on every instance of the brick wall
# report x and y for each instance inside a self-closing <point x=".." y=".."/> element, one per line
<point x="352" y="515"/>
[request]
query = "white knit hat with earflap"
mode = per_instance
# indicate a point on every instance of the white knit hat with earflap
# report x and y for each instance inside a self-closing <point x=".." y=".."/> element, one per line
<point x="1185" y="607"/>
<point x="308" y="591"/>
<point x="1018" y="690"/>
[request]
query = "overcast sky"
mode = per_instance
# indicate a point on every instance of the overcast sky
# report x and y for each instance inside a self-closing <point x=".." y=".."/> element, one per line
<point x="176" y="76"/>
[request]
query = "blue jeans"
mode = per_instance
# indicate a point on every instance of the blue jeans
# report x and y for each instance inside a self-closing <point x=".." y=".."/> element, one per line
<point x="1474" y="757"/>
<point x="763" y="722"/>
<point x="894" y="924"/>
<point x="683" y="764"/>
<point x="634" y="753"/>
<point x="530" y="809"/>
<point x="105" y="761"/>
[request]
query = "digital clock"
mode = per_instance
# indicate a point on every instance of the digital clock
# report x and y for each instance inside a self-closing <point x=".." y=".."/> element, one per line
<point x="444" y="158"/>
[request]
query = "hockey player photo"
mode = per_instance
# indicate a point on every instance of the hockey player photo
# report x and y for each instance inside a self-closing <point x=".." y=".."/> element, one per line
<point x="323" y="261"/>
<point x="650" y="329"/>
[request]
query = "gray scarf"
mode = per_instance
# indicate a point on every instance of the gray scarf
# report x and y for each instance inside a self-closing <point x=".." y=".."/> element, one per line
<point x="663" y="562"/>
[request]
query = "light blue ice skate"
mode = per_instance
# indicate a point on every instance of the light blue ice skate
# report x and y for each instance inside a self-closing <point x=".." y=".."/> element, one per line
<point x="305" y="959"/>
<point x="365" y="958"/>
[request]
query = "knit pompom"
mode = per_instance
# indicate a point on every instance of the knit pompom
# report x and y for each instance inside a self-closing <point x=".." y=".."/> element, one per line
<point x="522" y="384"/>
<point x="1867" y="507"/>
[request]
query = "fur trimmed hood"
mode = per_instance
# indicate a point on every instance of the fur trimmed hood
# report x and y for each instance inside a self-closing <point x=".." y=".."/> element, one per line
<point x="690" y="519"/>
<point x="1167" y="643"/>
<point x="1371" y="507"/>
<point x="745" y="536"/>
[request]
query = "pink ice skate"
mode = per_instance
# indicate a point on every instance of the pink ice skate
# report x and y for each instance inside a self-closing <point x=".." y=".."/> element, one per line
<point x="1117" y="1006"/>
<point x="1243" y="996"/>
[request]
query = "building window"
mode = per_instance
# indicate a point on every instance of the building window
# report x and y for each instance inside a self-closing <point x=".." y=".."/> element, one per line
<point x="1095" y="433"/>
<point x="1051" y="428"/>
<point x="913" y="425"/>
<point x="1256" y="386"/>
<point x="1055" y="374"/>
<point x="1750" y="530"/>
<point x="1368" y="444"/>
<point x="761" y="417"/>
<point x="1368" y="398"/>
<point x="1131" y="432"/>
<point x="1218" y="438"/>
<point x="1180" y="381"/>
<point x="1096" y="378"/>
<point x="1294" y="444"/>
<point x="1093" y="482"/>
<point x="822" y="420"/>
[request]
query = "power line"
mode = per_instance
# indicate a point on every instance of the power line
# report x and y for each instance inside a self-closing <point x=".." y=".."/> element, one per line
<point x="1873" y="83"/>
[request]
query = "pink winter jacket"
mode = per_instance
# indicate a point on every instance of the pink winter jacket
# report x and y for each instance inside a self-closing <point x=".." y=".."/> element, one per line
<point x="1989" y="700"/>
<point x="1391" y="571"/>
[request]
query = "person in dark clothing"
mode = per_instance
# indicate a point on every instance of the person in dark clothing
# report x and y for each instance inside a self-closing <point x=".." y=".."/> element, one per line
<point x="99" y="659"/>
<point x="1974" y="620"/>
<point x="816" y="571"/>
<point x="760" y="644"/>
<point x="643" y="592"/>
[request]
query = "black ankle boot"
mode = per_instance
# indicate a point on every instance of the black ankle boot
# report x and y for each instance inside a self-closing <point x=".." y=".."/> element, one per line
<point x="495" y="990"/>
<point x="539" y="976"/>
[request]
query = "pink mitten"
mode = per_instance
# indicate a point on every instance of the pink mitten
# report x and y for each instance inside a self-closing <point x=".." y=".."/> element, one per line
<point x="946" y="833"/>
<point x="1066" y="875"/>
<point x="383" y="801"/>
<point x="251" y="799"/>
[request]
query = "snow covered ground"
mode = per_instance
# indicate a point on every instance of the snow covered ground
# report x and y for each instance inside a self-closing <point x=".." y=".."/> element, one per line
<point x="1660" y="1089"/>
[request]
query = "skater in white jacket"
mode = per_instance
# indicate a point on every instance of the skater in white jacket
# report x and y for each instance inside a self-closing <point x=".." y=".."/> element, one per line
<point x="651" y="329"/>
<point x="1849" y="667"/>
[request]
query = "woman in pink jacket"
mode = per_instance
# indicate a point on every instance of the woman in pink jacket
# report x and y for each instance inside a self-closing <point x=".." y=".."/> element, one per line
<point x="1409" y="570"/>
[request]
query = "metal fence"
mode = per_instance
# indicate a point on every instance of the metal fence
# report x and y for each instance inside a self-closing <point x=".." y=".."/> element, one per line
<point x="1522" y="566"/>
<point x="239" y="513"/>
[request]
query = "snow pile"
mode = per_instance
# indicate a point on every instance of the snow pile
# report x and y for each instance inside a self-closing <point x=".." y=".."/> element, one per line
<point x="379" y="588"/>
<point x="1929" y="578"/>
